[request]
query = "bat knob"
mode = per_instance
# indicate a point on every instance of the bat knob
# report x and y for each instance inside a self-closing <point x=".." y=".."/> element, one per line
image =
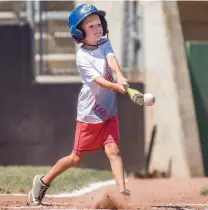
<point x="126" y="87"/>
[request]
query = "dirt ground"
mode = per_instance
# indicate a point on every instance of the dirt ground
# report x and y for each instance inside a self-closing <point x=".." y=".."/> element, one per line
<point x="161" y="194"/>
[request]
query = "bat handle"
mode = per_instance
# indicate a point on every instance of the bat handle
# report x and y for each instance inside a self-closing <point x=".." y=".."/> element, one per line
<point x="126" y="87"/>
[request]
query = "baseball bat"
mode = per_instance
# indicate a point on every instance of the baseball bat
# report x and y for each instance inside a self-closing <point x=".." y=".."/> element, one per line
<point x="136" y="96"/>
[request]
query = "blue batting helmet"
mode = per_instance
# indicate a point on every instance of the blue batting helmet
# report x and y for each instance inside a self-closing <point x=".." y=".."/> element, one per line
<point x="78" y="15"/>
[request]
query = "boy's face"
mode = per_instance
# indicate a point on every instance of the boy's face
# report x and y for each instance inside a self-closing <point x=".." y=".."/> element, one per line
<point x="93" y="28"/>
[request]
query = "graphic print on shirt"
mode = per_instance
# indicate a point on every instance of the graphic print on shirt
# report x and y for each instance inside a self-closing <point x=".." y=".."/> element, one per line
<point x="108" y="73"/>
<point x="97" y="107"/>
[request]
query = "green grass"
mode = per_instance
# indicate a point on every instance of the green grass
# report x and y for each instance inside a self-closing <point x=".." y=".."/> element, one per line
<point x="19" y="179"/>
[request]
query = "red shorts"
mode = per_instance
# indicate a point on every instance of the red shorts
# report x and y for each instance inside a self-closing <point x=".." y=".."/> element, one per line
<point x="92" y="137"/>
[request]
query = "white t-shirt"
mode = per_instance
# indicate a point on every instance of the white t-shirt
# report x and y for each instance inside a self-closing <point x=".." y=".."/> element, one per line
<point x="95" y="104"/>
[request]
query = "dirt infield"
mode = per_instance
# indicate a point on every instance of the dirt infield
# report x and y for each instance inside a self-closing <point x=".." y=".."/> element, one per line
<point x="156" y="194"/>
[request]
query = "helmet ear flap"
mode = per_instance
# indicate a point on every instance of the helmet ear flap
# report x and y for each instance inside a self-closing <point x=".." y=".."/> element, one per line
<point x="81" y="31"/>
<point x="104" y="25"/>
<point x="83" y="34"/>
<point x="79" y="35"/>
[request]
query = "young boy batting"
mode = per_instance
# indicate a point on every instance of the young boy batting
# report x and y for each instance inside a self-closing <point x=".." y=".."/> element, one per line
<point x="97" y="123"/>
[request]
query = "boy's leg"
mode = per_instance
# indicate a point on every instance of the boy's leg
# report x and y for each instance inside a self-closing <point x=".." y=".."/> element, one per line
<point x="114" y="156"/>
<point x="61" y="166"/>
<point x="110" y="144"/>
<point x="42" y="183"/>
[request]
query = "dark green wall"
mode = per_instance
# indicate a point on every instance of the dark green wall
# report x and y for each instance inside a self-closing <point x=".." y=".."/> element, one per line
<point x="197" y="53"/>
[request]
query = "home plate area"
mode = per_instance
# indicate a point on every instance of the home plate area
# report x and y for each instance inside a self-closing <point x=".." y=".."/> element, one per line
<point x="159" y="207"/>
<point x="147" y="194"/>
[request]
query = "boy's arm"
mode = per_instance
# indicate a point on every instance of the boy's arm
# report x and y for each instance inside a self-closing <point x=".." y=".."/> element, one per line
<point x="114" y="65"/>
<point x="110" y="85"/>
